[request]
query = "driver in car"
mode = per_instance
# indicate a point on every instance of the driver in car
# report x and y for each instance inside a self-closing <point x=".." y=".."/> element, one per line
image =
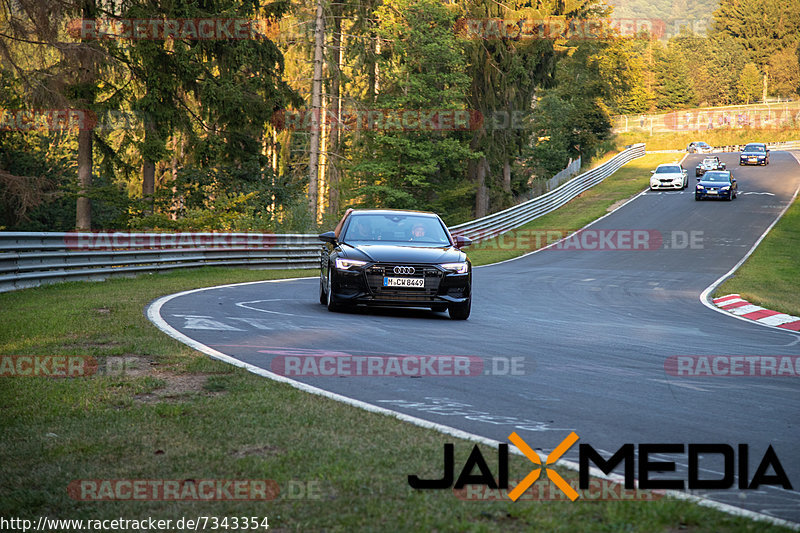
<point x="362" y="230"/>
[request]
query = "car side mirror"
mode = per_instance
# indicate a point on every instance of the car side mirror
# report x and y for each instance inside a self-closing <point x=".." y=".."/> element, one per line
<point x="652" y="172"/>
<point x="328" y="236"/>
<point x="733" y="180"/>
<point x="461" y="241"/>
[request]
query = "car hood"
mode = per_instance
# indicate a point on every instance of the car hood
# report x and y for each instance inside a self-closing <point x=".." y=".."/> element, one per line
<point x="663" y="176"/>
<point x="384" y="253"/>
<point x="713" y="183"/>
<point x="754" y="153"/>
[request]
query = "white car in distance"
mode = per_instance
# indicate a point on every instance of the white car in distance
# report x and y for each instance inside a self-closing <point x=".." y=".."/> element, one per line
<point x="668" y="176"/>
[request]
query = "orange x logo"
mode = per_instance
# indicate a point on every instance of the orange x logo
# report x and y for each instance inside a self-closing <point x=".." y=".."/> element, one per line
<point x="554" y="456"/>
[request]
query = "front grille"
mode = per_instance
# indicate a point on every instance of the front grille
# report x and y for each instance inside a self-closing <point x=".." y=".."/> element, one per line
<point x="376" y="273"/>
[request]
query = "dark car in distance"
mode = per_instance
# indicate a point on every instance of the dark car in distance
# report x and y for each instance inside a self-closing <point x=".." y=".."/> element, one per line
<point x="383" y="257"/>
<point x="716" y="184"/>
<point x="754" y="154"/>
<point x="709" y="163"/>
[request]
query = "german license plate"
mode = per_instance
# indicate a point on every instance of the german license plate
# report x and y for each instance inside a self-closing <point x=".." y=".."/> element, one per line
<point x="406" y="283"/>
<point x="712" y="192"/>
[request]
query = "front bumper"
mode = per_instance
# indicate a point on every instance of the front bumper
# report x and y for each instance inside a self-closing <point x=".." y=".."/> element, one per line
<point x="753" y="161"/>
<point x="365" y="286"/>
<point x="669" y="185"/>
<point x="706" y="193"/>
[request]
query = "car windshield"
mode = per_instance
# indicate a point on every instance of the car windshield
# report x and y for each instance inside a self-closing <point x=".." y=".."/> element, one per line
<point x="396" y="228"/>
<point x="668" y="169"/>
<point x="709" y="161"/>
<point x="702" y="144"/>
<point x="716" y="177"/>
<point x="754" y="148"/>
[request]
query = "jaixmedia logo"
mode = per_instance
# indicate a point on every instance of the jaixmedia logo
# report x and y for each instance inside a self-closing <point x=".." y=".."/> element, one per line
<point x="644" y="468"/>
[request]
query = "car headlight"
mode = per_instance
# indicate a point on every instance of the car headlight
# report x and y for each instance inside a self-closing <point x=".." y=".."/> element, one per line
<point x="457" y="268"/>
<point x="346" y="264"/>
<point x="700" y="187"/>
<point x="725" y="188"/>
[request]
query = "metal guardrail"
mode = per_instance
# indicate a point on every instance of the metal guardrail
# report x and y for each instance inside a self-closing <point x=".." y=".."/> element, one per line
<point x="31" y="259"/>
<point x="784" y="145"/>
<point x="498" y="223"/>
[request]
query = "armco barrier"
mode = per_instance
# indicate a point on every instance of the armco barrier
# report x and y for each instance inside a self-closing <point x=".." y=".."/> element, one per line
<point x="514" y="217"/>
<point x="30" y="259"/>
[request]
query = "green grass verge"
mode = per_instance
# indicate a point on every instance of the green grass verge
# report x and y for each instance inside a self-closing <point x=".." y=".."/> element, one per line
<point x="719" y="137"/>
<point x="771" y="276"/>
<point x="588" y="206"/>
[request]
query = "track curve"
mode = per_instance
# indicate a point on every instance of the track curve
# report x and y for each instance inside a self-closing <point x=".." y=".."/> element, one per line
<point x="592" y="327"/>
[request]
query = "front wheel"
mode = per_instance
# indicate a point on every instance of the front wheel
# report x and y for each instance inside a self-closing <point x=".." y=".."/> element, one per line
<point x="696" y="197"/>
<point x="332" y="306"/>
<point x="323" y="298"/>
<point x="460" y="311"/>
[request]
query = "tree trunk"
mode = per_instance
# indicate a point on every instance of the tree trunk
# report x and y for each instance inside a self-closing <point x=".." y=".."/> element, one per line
<point x="481" y="196"/>
<point x="148" y="170"/>
<point x="507" y="175"/>
<point x="88" y="75"/>
<point x="83" y="209"/>
<point x="316" y="104"/>
<point x="337" y="45"/>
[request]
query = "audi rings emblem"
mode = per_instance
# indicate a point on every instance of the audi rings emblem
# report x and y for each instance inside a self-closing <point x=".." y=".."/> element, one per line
<point x="403" y="270"/>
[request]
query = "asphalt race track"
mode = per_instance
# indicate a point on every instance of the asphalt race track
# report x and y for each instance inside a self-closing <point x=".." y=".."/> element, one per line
<point x="593" y="329"/>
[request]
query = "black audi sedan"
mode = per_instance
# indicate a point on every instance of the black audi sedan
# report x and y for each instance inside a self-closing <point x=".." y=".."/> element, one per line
<point x="383" y="257"/>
